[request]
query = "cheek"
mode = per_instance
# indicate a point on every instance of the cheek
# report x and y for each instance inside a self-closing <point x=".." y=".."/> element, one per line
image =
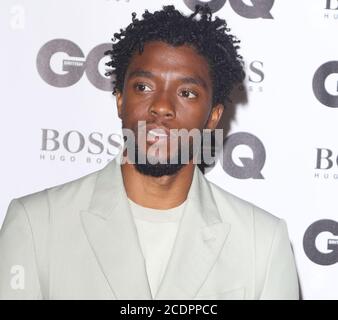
<point x="195" y="117"/>
<point x="133" y="108"/>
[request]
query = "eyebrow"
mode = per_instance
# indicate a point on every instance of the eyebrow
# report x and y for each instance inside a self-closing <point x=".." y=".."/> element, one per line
<point x="147" y="74"/>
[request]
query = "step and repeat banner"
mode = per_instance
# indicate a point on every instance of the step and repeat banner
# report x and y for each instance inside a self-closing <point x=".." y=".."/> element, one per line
<point x="59" y="119"/>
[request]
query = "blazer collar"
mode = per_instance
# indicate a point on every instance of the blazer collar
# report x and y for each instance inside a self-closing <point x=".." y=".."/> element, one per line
<point x="112" y="234"/>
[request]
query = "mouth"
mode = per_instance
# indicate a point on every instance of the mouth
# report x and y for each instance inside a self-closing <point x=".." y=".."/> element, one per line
<point x="156" y="133"/>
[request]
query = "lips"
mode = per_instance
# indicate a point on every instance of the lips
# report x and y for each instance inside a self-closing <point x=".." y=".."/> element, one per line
<point x="158" y="130"/>
<point x="155" y="133"/>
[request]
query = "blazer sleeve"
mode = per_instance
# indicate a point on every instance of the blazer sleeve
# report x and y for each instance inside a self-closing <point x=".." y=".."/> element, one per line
<point x="281" y="281"/>
<point x="18" y="268"/>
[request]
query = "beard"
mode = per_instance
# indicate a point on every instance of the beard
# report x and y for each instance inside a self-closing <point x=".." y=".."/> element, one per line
<point x="161" y="169"/>
<point x="158" y="169"/>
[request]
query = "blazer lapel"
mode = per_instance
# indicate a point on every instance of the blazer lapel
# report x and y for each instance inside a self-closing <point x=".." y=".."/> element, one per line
<point x="112" y="234"/>
<point x="200" y="237"/>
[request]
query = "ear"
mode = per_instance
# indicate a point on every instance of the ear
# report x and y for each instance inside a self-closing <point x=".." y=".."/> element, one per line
<point x="119" y="99"/>
<point x="215" y="116"/>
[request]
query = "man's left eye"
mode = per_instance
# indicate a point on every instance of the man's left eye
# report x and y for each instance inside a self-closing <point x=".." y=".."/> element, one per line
<point x="188" y="94"/>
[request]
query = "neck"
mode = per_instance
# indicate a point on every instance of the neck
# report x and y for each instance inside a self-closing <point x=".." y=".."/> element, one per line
<point x="157" y="192"/>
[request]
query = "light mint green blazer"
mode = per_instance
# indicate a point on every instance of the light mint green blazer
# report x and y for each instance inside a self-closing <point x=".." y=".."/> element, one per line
<point x="79" y="241"/>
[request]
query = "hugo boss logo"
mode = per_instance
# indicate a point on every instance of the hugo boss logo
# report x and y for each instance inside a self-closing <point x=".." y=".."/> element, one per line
<point x="258" y="9"/>
<point x="73" y="66"/>
<point x="315" y="254"/>
<point x="256" y="73"/>
<point x="331" y="5"/>
<point x="326" y="159"/>
<point x="74" y="141"/>
<point x="246" y="167"/>
<point x="325" y="84"/>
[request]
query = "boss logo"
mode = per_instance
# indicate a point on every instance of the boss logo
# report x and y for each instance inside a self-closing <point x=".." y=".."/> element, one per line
<point x="256" y="73"/>
<point x="326" y="159"/>
<point x="331" y="5"/>
<point x="74" y="142"/>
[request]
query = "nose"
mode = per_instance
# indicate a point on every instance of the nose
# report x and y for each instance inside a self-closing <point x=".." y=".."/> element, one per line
<point x="162" y="107"/>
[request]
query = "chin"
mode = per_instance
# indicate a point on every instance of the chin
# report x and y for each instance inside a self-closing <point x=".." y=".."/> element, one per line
<point x="159" y="169"/>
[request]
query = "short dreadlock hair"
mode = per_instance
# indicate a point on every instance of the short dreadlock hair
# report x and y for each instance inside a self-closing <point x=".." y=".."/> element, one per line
<point x="209" y="37"/>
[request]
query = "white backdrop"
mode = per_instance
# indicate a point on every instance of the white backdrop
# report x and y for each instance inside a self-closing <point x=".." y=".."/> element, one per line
<point x="284" y="155"/>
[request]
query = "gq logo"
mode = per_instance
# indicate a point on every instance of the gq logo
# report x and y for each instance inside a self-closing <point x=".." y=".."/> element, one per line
<point x="251" y="166"/>
<point x="323" y="82"/>
<point x="309" y="242"/>
<point x="258" y="9"/>
<point x="72" y="69"/>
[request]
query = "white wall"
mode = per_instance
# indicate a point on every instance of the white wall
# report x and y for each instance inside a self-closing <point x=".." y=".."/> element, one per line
<point x="283" y="115"/>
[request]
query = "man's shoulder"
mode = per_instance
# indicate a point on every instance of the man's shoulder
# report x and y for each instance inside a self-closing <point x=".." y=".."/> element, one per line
<point x="237" y="209"/>
<point x="66" y="192"/>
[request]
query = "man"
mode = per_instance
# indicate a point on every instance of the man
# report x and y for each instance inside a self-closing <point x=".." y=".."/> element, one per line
<point x="147" y="229"/>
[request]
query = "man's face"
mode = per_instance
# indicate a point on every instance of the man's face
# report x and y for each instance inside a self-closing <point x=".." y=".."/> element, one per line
<point x="168" y="88"/>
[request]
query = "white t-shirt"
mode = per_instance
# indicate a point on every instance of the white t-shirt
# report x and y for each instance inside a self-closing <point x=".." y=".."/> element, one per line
<point x="157" y="231"/>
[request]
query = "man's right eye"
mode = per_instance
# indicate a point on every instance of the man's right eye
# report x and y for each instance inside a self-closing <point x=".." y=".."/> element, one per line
<point x="142" y="87"/>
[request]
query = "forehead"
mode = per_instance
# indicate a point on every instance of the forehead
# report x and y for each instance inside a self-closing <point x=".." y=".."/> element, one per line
<point x="161" y="57"/>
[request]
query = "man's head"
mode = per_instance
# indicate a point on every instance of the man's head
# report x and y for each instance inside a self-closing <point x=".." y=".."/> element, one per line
<point x="173" y="71"/>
